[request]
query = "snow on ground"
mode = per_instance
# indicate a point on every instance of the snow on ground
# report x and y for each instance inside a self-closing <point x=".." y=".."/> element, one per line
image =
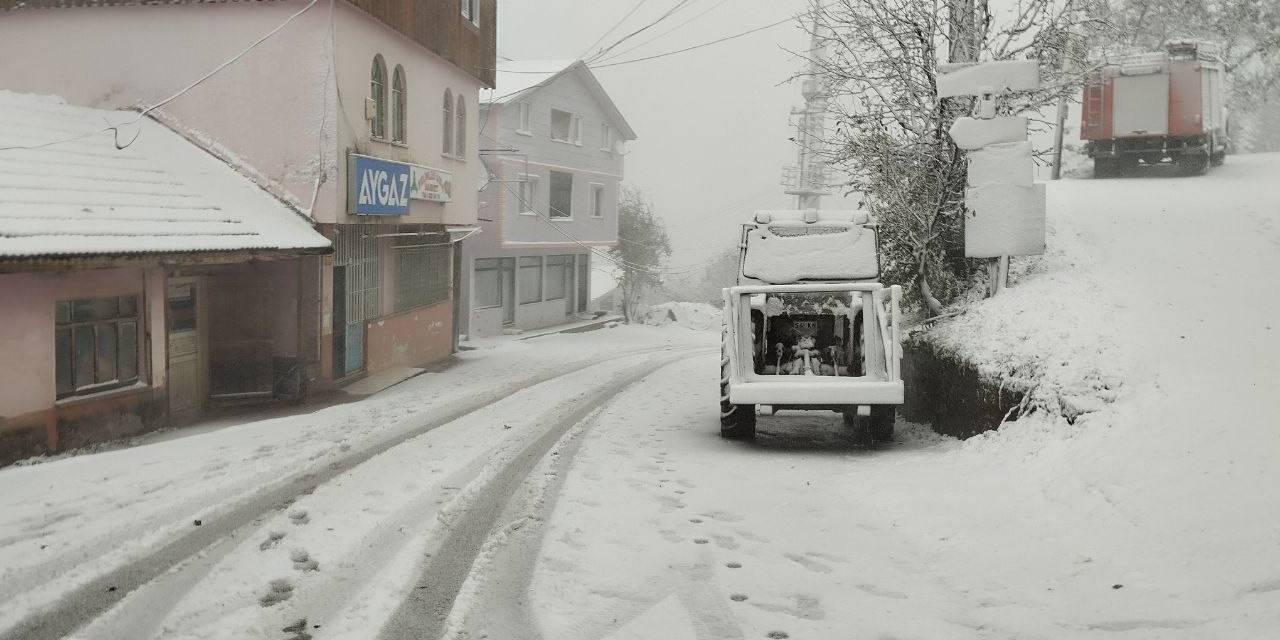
<point x="1156" y="516"/>
<point x="692" y="315"/>
<point x="63" y="523"/>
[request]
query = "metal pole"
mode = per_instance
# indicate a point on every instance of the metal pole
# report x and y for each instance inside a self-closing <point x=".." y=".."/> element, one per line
<point x="1057" y="138"/>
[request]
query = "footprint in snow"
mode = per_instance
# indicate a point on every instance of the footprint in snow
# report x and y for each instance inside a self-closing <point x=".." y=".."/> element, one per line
<point x="280" y="591"/>
<point x="810" y="564"/>
<point x="299" y="516"/>
<point x="273" y="539"/>
<point x="302" y="561"/>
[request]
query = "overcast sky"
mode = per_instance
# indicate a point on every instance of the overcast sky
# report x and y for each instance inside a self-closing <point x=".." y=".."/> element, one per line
<point x="712" y="124"/>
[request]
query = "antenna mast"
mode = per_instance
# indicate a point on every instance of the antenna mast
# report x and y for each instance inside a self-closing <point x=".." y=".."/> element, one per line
<point x="807" y="178"/>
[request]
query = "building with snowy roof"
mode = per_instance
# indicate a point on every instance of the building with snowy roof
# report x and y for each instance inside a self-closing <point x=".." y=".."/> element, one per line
<point x="137" y="272"/>
<point x="553" y="146"/>
<point x="362" y="115"/>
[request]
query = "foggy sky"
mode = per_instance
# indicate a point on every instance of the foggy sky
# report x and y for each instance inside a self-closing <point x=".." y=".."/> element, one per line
<point x="712" y="124"/>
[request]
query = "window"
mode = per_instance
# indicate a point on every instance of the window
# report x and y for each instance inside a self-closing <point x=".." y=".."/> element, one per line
<point x="561" y="195"/>
<point x="526" y="114"/>
<point x="399" y="110"/>
<point x="606" y="137"/>
<point x="565" y="127"/>
<point x="528" y="195"/>
<point x="378" y="93"/>
<point x="448" y="123"/>
<point x="471" y="10"/>
<point x="460" y="150"/>
<point x="597" y="200"/>
<point x="96" y="344"/>
<point x="422" y="265"/>
<point x="530" y="280"/>
<point x="488" y="283"/>
<point x="559" y="269"/>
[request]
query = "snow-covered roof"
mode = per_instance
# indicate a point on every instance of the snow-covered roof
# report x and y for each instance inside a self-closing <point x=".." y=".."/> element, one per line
<point x="160" y="194"/>
<point x="516" y="79"/>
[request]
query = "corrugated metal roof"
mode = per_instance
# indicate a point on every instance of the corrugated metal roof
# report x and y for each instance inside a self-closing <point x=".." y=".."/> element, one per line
<point x="159" y="194"/>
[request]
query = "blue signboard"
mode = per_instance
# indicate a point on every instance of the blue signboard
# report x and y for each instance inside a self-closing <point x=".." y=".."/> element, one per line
<point x="378" y="187"/>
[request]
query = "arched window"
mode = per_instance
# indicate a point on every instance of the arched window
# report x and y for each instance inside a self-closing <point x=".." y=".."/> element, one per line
<point x="448" y="122"/>
<point x="399" y="110"/>
<point x="461" y="147"/>
<point x="378" y="92"/>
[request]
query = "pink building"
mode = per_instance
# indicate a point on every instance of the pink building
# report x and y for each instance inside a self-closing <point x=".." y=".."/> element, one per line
<point x="135" y="282"/>
<point x="361" y="114"/>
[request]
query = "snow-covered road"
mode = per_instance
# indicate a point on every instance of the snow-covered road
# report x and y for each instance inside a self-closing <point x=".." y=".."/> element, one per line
<point x="574" y="487"/>
<point x="1156" y="516"/>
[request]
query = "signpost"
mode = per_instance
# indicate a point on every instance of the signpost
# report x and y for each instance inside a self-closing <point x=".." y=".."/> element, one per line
<point x="377" y="187"/>
<point x="1005" y="207"/>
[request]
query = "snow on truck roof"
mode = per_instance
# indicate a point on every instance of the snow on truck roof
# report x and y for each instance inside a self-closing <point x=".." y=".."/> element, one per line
<point x="160" y="194"/>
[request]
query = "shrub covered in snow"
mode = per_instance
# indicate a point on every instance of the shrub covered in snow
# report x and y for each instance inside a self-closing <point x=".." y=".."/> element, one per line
<point x="691" y="315"/>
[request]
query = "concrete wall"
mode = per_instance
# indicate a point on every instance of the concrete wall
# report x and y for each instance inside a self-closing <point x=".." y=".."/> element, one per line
<point x="123" y="56"/>
<point x="28" y="403"/>
<point x="410" y="338"/>
<point x="359" y="39"/>
<point x="276" y="109"/>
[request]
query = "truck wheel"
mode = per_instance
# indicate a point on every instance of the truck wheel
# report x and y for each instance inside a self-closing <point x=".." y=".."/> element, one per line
<point x="736" y="420"/>
<point x="1104" y="167"/>
<point x="882" y="419"/>
<point x="1193" y="164"/>
<point x="1219" y="158"/>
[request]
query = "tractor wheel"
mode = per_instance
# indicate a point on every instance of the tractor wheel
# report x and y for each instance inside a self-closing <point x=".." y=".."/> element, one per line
<point x="882" y="419"/>
<point x="736" y="420"/>
<point x="860" y="426"/>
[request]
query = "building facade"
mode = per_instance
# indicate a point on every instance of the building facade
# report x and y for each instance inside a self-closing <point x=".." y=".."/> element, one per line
<point x="363" y="115"/>
<point x="136" y="283"/>
<point x="553" y="146"/>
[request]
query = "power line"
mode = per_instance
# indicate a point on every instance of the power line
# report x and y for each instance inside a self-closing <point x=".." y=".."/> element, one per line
<point x="676" y="7"/>
<point x="697" y="46"/>
<point x="613" y="28"/>
<point x="664" y="33"/>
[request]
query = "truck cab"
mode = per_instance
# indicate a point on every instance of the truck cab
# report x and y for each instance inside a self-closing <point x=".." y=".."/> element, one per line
<point x="808" y="326"/>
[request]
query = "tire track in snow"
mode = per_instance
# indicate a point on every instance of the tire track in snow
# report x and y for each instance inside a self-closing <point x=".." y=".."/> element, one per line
<point x="88" y="601"/>
<point x="423" y="615"/>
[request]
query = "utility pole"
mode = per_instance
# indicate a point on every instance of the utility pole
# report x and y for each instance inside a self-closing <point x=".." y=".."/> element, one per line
<point x="807" y="179"/>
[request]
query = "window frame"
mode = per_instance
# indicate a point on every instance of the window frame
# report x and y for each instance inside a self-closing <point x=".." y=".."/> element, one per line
<point x="520" y="267"/>
<point x="475" y="278"/>
<point x="446" y="148"/>
<point x="565" y="216"/>
<point x="565" y="264"/>
<point x="471" y="11"/>
<point x="596" y="202"/>
<point x="378" y="89"/>
<point x="572" y="118"/>
<point x="424" y="259"/>
<point x="606" y="137"/>
<point x="460" y="130"/>
<point x="524" y="122"/>
<point x="399" y="106"/>
<point x="526" y="204"/>
<point x="70" y="325"/>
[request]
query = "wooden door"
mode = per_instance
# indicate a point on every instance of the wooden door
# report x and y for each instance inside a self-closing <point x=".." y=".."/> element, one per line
<point x="186" y="380"/>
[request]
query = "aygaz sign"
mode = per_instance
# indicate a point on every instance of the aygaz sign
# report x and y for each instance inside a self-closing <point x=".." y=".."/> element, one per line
<point x="377" y="187"/>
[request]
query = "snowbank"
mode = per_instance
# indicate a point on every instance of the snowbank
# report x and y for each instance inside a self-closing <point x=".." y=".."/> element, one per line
<point x="692" y="315"/>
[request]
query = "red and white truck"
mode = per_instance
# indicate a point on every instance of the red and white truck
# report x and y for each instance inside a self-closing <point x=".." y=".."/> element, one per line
<point x="1165" y="106"/>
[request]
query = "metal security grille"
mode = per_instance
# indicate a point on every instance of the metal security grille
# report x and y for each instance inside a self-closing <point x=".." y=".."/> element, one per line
<point x="356" y="249"/>
<point x="423" y="268"/>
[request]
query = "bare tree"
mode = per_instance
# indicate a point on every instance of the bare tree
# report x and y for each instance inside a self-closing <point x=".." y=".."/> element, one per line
<point x="891" y="129"/>
<point x="643" y="248"/>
